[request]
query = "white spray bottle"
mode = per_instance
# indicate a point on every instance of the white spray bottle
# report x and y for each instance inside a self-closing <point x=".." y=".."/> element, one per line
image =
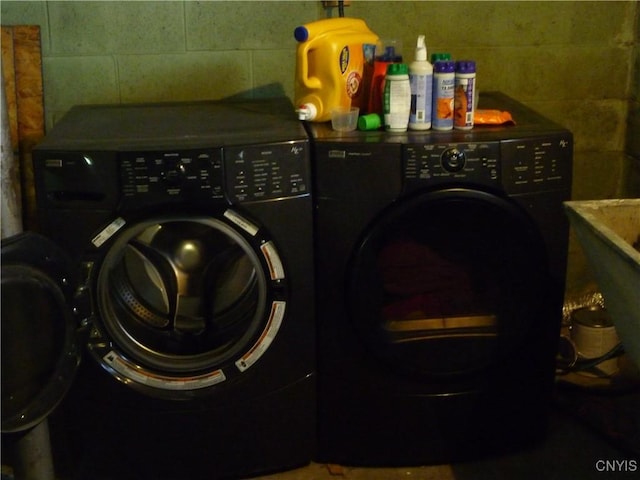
<point x="421" y="79"/>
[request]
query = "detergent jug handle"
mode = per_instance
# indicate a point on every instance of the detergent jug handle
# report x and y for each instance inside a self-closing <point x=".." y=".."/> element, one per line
<point x="301" y="34"/>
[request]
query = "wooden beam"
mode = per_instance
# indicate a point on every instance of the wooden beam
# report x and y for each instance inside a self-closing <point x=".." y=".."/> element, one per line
<point x="22" y="71"/>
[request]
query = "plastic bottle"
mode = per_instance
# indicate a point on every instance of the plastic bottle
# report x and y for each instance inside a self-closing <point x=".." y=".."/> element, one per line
<point x="387" y="52"/>
<point x="421" y="80"/>
<point x="397" y="98"/>
<point x="443" y="89"/>
<point x="465" y="79"/>
<point x="334" y="65"/>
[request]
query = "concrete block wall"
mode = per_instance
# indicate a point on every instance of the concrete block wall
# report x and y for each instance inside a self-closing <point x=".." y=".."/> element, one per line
<point x="632" y="175"/>
<point x="576" y="62"/>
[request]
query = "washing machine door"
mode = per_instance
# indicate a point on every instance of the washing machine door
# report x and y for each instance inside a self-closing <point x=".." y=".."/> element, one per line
<point x="40" y="351"/>
<point x="185" y="303"/>
<point x="448" y="282"/>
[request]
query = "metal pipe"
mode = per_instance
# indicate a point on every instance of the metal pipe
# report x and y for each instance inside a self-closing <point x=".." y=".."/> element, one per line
<point x="33" y="458"/>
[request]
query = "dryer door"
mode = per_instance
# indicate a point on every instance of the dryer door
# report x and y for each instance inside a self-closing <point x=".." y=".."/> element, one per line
<point x="449" y="282"/>
<point x="185" y="303"/>
<point x="39" y="345"/>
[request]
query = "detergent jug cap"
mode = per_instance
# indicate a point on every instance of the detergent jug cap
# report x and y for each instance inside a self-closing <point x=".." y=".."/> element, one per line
<point x="421" y="49"/>
<point x="397" y="69"/>
<point x="301" y="33"/>
<point x="307" y="111"/>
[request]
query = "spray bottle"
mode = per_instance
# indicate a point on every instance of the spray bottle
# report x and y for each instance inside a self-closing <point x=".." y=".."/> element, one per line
<point x="421" y="80"/>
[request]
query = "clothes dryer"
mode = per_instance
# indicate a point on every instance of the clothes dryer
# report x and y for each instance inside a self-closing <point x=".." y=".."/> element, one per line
<point x="441" y="262"/>
<point x="189" y="227"/>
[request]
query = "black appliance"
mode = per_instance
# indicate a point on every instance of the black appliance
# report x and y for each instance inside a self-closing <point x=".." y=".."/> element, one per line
<point x="440" y="261"/>
<point x="188" y="227"/>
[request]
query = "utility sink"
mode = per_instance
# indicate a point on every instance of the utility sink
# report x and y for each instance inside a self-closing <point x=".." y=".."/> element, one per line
<point x="609" y="232"/>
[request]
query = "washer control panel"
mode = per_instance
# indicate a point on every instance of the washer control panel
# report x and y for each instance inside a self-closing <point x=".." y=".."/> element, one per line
<point x="148" y="178"/>
<point x="236" y="174"/>
<point x="263" y="172"/>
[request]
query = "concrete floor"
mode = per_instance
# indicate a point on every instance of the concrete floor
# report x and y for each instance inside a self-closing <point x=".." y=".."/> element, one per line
<point x="571" y="451"/>
<point x="316" y="471"/>
<point x="585" y="428"/>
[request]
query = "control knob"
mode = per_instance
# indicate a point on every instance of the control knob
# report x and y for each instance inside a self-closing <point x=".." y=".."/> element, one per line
<point x="174" y="172"/>
<point x="453" y="160"/>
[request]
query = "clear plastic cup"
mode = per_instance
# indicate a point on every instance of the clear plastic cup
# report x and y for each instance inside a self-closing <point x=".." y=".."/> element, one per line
<point x="344" y="119"/>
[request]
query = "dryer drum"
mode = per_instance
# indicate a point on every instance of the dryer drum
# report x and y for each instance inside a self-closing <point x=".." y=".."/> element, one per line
<point x="182" y="296"/>
<point x="441" y="273"/>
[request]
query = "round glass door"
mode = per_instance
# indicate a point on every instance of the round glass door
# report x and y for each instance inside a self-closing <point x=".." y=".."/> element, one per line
<point x="183" y="299"/>
<point x="447" y="283"/>
<point x="39" y="344"/>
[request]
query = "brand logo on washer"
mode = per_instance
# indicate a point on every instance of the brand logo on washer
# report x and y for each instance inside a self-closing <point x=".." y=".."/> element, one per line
<point x="296" y="149"/>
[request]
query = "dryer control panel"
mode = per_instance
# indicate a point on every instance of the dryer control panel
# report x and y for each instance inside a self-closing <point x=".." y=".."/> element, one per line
<point x="476" y="163"/>
<point x="518" y="165"/>
<point x="537" y="164"/>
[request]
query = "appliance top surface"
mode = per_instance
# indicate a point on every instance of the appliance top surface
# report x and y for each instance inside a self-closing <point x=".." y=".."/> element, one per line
<point x="175" y="125"/>
<point x="528" y="123"/>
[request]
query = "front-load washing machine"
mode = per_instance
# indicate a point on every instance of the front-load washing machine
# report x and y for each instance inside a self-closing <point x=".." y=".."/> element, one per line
<point x="189" y="229"/>
<point x="440" y="260"/>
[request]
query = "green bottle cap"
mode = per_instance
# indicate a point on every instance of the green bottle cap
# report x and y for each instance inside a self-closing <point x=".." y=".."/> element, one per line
<point x="440" y="57"/>
<point x="371" y="121"/>
<point x="397" y="69"/>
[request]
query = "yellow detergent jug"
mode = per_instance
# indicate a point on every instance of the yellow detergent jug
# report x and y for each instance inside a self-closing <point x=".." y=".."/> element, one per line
<point x="334" y="65"/>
